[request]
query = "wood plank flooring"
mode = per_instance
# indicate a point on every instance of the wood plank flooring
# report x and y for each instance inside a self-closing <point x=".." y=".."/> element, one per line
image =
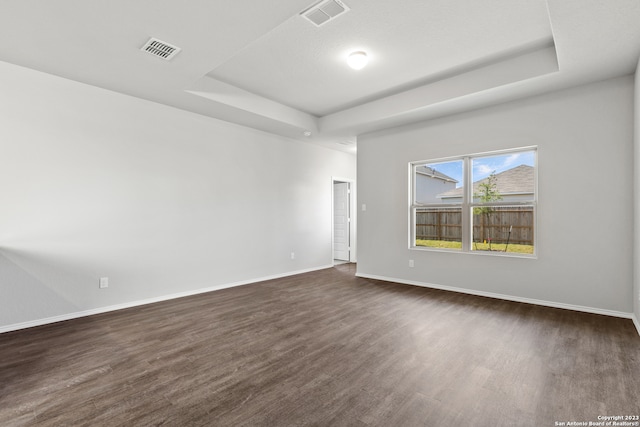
<point x="322" y="349"/>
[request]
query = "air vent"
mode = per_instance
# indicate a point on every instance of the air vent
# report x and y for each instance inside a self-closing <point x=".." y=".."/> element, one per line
<point x="159" y="48"/>
<point x="325" y="11"/>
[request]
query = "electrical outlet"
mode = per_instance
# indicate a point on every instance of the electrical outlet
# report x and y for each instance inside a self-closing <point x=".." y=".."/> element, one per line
<point x="104" y="282"/>
<point x="293" y="255"/>
<point x="410" y="263"/>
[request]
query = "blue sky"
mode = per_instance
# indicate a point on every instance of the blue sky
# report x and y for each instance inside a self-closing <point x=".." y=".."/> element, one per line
<point x="483" y="166"/>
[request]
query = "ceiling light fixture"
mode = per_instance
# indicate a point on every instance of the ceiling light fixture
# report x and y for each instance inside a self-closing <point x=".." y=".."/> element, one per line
<point x="357" y="60"/>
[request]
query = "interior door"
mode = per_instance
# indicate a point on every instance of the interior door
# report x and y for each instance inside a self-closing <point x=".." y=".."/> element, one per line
<point x="341" y="221"/>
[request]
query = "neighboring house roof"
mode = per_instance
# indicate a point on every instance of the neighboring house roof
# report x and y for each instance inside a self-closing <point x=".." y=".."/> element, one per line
<point x="425" y="170"/>
<point x="517" y="180"/>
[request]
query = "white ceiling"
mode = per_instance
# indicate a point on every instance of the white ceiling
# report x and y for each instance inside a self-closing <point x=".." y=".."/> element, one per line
<point x="304" y="67"/>
<point x="260" y="64"/>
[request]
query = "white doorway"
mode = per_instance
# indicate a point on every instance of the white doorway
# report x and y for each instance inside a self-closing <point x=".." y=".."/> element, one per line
<point x="341" y="221"/>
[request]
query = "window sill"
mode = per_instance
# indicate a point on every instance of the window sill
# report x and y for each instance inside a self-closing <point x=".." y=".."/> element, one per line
<point x="479" y="253"/>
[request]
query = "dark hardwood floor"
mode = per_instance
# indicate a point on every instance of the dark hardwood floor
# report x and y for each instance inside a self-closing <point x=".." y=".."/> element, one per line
<point x="323" y="349"/>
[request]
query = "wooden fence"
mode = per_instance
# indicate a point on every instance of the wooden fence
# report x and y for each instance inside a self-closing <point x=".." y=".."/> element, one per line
<point x="446" y="224"/>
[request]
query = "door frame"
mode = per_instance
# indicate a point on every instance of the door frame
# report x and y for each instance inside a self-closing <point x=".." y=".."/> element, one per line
<point x="352" y="215"/>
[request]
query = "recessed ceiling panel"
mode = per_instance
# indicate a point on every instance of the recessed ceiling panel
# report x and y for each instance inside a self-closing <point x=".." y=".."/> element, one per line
<point x="304" y="66"/>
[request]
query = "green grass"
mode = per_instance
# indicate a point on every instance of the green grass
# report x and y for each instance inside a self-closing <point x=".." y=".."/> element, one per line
<point x="495" y="247"/>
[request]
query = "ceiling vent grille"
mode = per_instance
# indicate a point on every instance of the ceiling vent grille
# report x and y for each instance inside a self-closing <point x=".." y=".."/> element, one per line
<point x="159" y="48"/>
<point x="325" y="11"/>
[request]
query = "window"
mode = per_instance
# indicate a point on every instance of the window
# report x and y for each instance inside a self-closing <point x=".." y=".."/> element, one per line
<point x="475" y="203"/>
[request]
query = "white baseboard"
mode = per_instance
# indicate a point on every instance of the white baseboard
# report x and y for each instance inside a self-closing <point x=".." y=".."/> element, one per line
<point x="100" y="310"/>
<point x="507" y="297"/>
<point x="635" y="322"/>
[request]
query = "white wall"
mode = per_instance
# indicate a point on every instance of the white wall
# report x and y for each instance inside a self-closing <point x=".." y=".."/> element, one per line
<point x="585" y="150"/>
<point x="162" y="201"/>
<point x="636" y="198"/>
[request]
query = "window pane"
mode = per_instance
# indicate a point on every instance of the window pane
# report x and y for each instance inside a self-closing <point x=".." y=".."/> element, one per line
<point x="503" y="229"/>
<point x="506" y="177"/>
<point x="439" y="227"/>
<point x="438" y="182"/>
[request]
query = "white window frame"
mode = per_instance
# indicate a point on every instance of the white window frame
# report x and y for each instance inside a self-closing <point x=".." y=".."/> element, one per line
<point x="468" y="203"/>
